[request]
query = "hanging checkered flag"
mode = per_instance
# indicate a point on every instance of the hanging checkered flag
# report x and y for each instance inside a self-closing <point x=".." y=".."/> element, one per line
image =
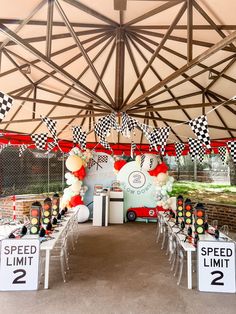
<point x="223" y="153"/>
<point x="200" y="129"/>
<point x="179" y="147"/>
<point x="127" y="124"/>
<point x="2" y="147"/>
<point x="145" y="129"/>
<point x="40" y="140"/>
<point x="51" y="145"/>
<point x="201" y="154"/>
<point x="5" y="105"/>
<point x="159" y="136"/>
<point x="22" y="149"/>
<point x="79" y="137"/>
<point x="194" y="147"/>
<point x="103" y="126"/>
<point x="114" y="124"/>
<point x="132" y="149"/>
<point x="232" y="149"/>
<point x="51" y="125"/>
<point x="104" y="143"/>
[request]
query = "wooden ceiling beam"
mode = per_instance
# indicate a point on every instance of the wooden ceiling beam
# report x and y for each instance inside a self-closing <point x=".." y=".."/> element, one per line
<point x="120" y="71"/>
<point x="156" y="52"/>
<point x="189" y="30"/>
<point x="49" y="28"/>
<point x="183" y="27"/>
<point x="203" y="56"/>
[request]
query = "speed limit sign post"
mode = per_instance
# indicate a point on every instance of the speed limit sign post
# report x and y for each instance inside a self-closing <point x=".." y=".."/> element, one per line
<point x="19" y="265"/>
<point x="216" y="266"/>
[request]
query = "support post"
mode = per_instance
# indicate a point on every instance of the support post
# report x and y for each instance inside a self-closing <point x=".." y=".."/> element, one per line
<point x="195" y="170"/>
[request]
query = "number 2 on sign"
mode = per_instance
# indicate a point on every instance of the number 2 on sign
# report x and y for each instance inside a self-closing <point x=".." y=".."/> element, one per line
<point x="215" y="282"/>
<point x="17" y="279"/>
<point x="137" y="178"/>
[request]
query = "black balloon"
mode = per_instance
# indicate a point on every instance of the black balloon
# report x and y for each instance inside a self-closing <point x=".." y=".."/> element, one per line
<point x="62" y="212"/>
<point x="42" y="233"/>
<point x="24" y="230"/>
<point x="11" y="236"/>
<point x="59" y="216"/>
<point x="217" y="234"/>
<point x="54" y="221"/>
<point x="49" y="226"/>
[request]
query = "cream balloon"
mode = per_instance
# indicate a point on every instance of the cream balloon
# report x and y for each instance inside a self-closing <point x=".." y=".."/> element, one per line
<point x="162" y="178"/>
<point x="74" y="163"/>
<point x="75" y="187"/>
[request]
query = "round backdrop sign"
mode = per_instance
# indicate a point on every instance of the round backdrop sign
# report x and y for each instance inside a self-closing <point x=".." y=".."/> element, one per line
<point x="137" y="185"/>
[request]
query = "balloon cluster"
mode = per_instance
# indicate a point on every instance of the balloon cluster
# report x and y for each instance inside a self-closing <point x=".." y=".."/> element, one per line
<point x="76" y="163"/>
<point x="161" y="179"/>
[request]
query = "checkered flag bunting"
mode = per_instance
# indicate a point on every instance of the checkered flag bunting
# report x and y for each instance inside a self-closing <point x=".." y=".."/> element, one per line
<point x="51" y="145"/>
<point x="132" y="149"/>
<point x="232" y="149"/>
<point x="2" y="147"/>
<point x="223" y="153"/>
<point x="22" y="149"/>
<point x="103" y="126"/>
<point x="40" y="140"/>
<point x="104" y="143"/>
<point x="201" y="154"/>
<point x="179" y="147"/>
<point x="200" y="129"/>
<point x="159" y="136"/>
<point x="79" y="137"/>
<point x="127" y="124"/>
<point x="194" y="147"/>
<point x="51" y="125"/>
<point x="5" y="105"/>
<point x="145" y="129"/>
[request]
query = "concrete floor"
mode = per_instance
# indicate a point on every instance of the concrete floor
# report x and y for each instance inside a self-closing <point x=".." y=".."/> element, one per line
<point x="118" y="269"/>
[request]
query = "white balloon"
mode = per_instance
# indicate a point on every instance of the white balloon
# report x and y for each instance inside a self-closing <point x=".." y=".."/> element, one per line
<point x="75" y="187"/>
<point x="83" y="213"/>
<point x="68" y="175"/>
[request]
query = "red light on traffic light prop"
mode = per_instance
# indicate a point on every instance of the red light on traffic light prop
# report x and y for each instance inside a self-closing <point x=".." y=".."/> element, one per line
<point x="188" y="212"/>
<point x="199" y="218"/>
<point x="35" y="214"/>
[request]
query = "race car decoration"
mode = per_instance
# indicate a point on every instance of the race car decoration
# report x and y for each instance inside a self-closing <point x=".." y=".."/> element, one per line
<point x="141" y="212"/>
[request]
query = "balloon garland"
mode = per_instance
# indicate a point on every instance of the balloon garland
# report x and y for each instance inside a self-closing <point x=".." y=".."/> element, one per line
<point x="76" y="164"/>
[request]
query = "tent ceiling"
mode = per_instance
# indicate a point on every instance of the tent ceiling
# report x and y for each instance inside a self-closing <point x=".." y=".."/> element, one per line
<point x="163" y="62"/>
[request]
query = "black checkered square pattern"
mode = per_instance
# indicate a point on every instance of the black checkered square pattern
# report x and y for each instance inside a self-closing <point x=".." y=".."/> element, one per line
<point x="104" y="143"/>
<point x="179" y="147"/>
<point x="103" y="126"/>
<point x="79" y="137"/>
<point x="232" y="149"/>
<point x="127" y="124"/>
<point x="52" y="127"/>
<point x="22" y="148"/>
<point x="194" y="147"/>
<point x="201" y="154"/>
<point x="5" y="105"/>
<point x="200" y="129"/>
<point x="223" y="153"/>
<point x="40" y="140"/>
<point x="146" y="129"/>
<point x="51" y="145"/>
<point x="102" y="158"/>
<point x="157" y="137"/>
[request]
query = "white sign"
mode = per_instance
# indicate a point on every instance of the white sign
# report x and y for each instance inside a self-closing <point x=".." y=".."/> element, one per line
<point x="137" y="179"/>
<point x="216" y="266"/>
<point x="19" y="264"/>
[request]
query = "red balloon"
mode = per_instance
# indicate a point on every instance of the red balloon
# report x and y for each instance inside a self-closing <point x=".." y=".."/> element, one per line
<point x="159" y="168"/>
<point x="119" y="164"/>
<point x="80" y="174"/>
<point x="76" y="200"/>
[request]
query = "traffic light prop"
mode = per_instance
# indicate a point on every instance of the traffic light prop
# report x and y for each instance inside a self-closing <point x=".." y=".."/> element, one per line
<point x="199" y="218"/>
<point x="35" y="216"/>
<point x="179" y="208"/>
<point x="46" y="212"/>
<point x="188" y="212"/>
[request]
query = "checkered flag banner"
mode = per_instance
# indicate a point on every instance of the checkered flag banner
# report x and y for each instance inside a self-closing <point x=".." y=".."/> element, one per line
<point x="51" y="145"/>
<point x="104" y="143"/>
<point x="102" y="158"/>
<point x="103" y="126"/>
<point x="223" y="153"/>
<point x="51" y="125"/>
<point x="22" y="149"/>
<point x="127" y="124"/>
<point x="232" y="149"/>
<point x="145" y="129"/>
<point x="132" y="149"/>
<point x="40" y="140"/>
<point x="194" y="147"/>
<point x="200" y="129"/>
<point x="5" y="105"/>
<point x="114" y="124"/>
<point x="79" y="137"/>
<point x="201" y="154"/>
<point x="91" y="163"/>
<point x="159" y="136"/>
<point x="179" y="147"/>
<point x="2" y="147"/>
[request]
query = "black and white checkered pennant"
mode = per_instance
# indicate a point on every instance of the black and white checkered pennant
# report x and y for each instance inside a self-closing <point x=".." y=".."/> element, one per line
<point x="51" y="145"/>
<point x="201" y="154"/>
<point x="194" y="147"/>
<point x="103" y="126"/>
<point x="232" y="149"/>
<point x="200" y="129"/>
<point x="79" y="137"/>
<point x="179" y="147"/>
<point x="114" y="124"/>
<point x="223" y="153"/>
<point x="40" y="140"/>
<point x="159" y="136"/>
<point x="132" y="149"/>
<point x="104" y="143"/>
<point x="52" y="127"/>
<point x="128" y="124"/>
<point x="2" y="147"/>
<point x="22" y="148"/>
<point x="5" y="105"/>
<point x="146" y="129"/>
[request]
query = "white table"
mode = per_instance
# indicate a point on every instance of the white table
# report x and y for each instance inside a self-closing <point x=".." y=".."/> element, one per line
<point x="186" y="246"/>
